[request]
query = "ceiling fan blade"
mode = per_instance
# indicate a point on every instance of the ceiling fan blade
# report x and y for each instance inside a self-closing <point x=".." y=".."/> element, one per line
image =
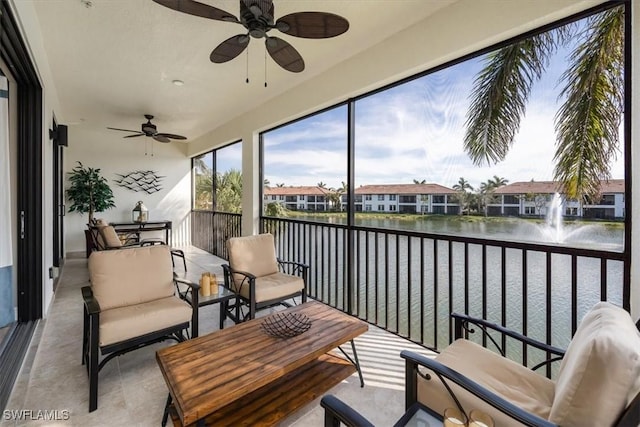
<point x="133" y="136"/>
<point x="284" y="54"/>
<point x="161" y="138"/>
<point x="198" y="9"/>
<point x="171" y="135"/>
<point x="229" y="49"/>
<point x="126" y="130"/>
<point x="312" y="25"/>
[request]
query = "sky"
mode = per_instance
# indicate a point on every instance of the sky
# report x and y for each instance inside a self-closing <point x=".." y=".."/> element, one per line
<point x="415" y="131"/>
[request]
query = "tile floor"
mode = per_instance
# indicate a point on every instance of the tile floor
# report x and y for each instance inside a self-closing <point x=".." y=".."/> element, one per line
<point x="132" y="391"/>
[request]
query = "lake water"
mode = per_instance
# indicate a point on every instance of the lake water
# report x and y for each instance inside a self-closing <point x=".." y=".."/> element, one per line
<point x="399" y="278"/>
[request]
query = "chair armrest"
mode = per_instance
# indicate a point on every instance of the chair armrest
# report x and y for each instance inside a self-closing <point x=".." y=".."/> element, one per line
<point x="192" y="285"/>
<point x="228" y="271"/>
<point x="90" y="302"/>
<point x="292" y="267"/>
<point x="194" y="289"/>
<point x="413" y="360"/>
<point x="462" y="319"/>
<point x="336" y="411"/>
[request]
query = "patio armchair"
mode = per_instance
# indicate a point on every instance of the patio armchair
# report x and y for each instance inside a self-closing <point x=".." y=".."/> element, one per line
<point x="133" y="301"/>
<point x="259" y="278"/>
<point x="105" y="237"/>
<point x="597" y="384"/>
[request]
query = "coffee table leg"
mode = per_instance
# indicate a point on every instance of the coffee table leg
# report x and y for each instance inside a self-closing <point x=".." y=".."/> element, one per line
<point x="165" y="416"/>
<point x="355" y="356"/>
<point x="223" y="313"/>
<point x="355" y="362"/>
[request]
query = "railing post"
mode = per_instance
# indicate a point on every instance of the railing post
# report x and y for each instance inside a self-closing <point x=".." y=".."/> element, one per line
<point x="457" y="328"/>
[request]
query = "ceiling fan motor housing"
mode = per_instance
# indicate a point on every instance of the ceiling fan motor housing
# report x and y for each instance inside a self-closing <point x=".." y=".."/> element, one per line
<point x="254" y="17"/>
<point x="149" y="128"/>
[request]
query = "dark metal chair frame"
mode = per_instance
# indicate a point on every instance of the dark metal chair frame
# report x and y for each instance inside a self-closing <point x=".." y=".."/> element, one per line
<point x="90" y="337"/>
<point x="234" y="310"/>
<point x="337" y="412"/>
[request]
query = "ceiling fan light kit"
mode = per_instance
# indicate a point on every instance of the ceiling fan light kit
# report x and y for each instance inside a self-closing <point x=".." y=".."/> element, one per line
<point x="257" y="16"/>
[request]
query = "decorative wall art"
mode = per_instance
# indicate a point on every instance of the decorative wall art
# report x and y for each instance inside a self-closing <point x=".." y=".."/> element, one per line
<point x="147" y="181"/>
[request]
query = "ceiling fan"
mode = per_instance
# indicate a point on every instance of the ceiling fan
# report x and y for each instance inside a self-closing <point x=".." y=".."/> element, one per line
<point x="149" y="129"/>
<point x="257" y="17"/>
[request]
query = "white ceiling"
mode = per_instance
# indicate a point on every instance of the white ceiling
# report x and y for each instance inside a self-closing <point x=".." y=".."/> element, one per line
<point x="115" y="61"/>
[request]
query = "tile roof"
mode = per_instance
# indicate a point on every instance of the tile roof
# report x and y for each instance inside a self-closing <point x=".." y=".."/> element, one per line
<point x="294" y="191"/>
<point x="404" y="189"/>
<point x="549" y="187"/>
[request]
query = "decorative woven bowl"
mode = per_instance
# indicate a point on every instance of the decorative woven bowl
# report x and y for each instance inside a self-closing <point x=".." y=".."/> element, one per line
<point x="285" y="325"/>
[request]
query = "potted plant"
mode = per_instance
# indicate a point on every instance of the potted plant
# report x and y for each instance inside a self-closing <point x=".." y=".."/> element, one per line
<point x="89" y="191"/>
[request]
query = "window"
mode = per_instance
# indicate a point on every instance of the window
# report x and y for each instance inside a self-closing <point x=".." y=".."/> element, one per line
<point x="408" y="199"/>
<point x="202" y="181"/>
<point x="228" y="173"/>
<point x="392" y="208"/>
<point x="529" y="210"/>
<point x="411" y="139"/>
<point x="381" y="208"/>
<point x="225" y="164"/>
<point x="509" y="200"/>
<point x="367" y="208"/>
<point x="309" y="152"/>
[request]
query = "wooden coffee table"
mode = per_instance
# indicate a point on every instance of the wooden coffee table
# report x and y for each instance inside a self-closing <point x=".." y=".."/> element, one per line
<point x="242" y="376"/>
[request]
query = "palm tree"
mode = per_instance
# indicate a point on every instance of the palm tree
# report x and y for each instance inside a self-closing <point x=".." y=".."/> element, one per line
<point x="229" y="191"/>
<point x="280" y="184"/>
<point x="588" y="121"/>
<point x="463" y="187"/>
<point x="497" y="181"/>
<point x="424" y="181"/>
<point x="322" y="184"/>
<point x="485" y="195"/>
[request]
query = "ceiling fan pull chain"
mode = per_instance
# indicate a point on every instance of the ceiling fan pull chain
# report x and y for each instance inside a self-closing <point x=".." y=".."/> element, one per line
<point x="145" y="147"/>
<point x="265" y="67"/>
<point x="247" y="65"/>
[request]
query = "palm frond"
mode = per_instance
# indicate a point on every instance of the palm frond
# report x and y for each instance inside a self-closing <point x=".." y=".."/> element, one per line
<point x="500" y="94"/>
<point x="588" y="122"/>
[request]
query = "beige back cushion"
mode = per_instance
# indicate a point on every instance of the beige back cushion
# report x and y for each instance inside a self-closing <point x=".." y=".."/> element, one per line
<point x="109" y="237"/>
<point x="125" y="277"/>
<point x="253" y="254"/>
<point x="600" y="371"/>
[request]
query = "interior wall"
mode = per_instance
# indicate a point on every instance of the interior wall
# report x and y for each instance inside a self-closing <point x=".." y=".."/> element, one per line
<point x="115" y="155"/>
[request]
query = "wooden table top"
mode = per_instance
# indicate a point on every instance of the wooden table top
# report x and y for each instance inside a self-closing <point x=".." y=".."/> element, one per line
<point x="209" y="372"/>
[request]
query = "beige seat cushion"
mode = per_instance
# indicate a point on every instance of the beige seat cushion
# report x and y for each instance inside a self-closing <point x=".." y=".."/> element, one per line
<point x="253" y="254"/>
<point x="119" y="324"/>
<point x="600" y="371"/>
<point x="124" y="277"/>
<point x="109" y="237"/>
<point x="506" y="378"/>
<point x="274" y="286"/>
